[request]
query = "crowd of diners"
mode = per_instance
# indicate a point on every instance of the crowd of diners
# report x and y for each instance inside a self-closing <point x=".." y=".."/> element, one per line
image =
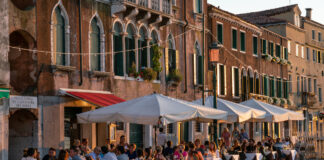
<point x="229" y="144"/>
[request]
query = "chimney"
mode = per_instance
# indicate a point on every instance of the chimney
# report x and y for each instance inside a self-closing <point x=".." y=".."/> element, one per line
<point x="309" y="13"/>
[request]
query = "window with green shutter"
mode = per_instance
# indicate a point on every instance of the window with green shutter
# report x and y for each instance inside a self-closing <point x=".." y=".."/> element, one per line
<point x="220" y="33"/>
<point x="234" y="38"/>
<point x="271" y="48"/>
<point x="264" y="46"/>
<point x="265" y="86"/>
<point x="255" y="45"/>
<point x="298" y="85"/>
<point x="236" y="82"/>
<point x="222" y="79"/>
<point x="286" y="53"/>
<point x="95" y="57"/>
<point x="257" y="85"/>
<point x="130" y="46"/>
<point x="278" y="51"/>
<point x="118" y="48"/>
<point x="142" y="50"/>
<point x="279" y="88"/>
<point x="60" y="37"/>
<point x="199" y="67"/>
<point x="272" y="89"/>
<point x="242" y="37"/>
<point x="172" y="55"/>
<point x="318" y="56"/>
<point x="199" y="6"/>
<point x="285" y="87"/>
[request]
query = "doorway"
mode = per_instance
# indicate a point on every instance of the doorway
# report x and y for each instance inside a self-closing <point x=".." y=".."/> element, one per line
<point x="72" y="130"/>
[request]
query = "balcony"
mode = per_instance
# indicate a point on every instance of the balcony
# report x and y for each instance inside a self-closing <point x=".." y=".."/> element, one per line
<point x="154" y="12"/>
<point x="310" y="100"/>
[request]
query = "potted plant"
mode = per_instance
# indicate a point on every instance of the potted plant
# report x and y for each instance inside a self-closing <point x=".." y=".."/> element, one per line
<point x="283" y="61"/>
<point x="288" y="62"/>
<point x="132" y="71"/>
<point x="270" y="100"/>
<point x="157" y="54"/>
<point x="283" y="101"/>
<point x="148" y="74"/>
<point x="267" y="57"/>
<point x="276" y="101"/>
<point x="175" y="77"/>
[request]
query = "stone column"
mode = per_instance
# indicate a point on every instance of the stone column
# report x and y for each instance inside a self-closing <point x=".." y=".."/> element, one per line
<point x="205" y="131"/>
<point x="124" y="53"/>
<point x="148" y="51"/>
<point x="191" y="130"/>
<point x="102" y="53"/>
<point x="127" y="132"/>
<point x="136" y="52"/>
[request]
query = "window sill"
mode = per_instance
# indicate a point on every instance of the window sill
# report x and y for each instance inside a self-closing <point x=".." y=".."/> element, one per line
<point x="99" y="74"/>
<point x="236" y="97"/>
<point x="62" y="68"/>
<point x="221" y="96"/>
<point x="255" y="55"/>
<point x="243" y="52"/>
<point x="234" y="49"/>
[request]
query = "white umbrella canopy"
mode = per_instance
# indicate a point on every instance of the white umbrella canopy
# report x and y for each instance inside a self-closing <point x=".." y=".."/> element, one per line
<point x="236" y="112"/>
<point x="151" y="110"/>
<point x="274" y="113"/>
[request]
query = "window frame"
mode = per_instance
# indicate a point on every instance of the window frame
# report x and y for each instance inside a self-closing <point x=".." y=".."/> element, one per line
<point x="222" y="37"/>
<point x="234" y="48"/>
<point x="255" y="46"/>
<point x="242" y="41"/>
<point x="219" y="80"/>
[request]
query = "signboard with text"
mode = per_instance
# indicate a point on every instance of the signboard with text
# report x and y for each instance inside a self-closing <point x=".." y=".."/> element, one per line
<point x="23" y="102"/>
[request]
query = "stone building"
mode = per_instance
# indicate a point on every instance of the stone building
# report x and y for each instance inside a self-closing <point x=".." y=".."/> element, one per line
<point x="305" y="54"/>
<point x="253" y="63"/>
<point x="65" y="52"/>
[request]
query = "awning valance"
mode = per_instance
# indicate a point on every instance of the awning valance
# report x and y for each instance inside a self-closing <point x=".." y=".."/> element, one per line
<point x="98" y="98"/>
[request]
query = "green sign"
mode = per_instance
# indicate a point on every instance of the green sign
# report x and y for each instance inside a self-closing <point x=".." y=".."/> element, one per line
<point x="4" y="93"/>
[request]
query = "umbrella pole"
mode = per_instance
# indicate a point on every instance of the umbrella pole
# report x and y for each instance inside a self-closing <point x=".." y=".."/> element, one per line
<point x="155" y="140"/>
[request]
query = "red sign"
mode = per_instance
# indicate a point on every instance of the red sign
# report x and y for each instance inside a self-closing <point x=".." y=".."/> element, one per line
<point x="214" y="55"/>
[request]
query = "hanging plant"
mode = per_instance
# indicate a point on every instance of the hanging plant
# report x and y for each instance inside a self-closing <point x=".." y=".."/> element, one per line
<point x="157" y="54"/>
<point x="175" y="77"/>
<point x="283" y="61"/>
<point x="270" y="100"/>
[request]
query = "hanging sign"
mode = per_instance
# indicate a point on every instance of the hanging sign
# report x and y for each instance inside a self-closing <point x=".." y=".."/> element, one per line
<point x="23" y="102"/>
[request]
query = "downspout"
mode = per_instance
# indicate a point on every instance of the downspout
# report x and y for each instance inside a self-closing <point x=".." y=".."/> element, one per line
<point x="185" y="46"/>
<point x="80" y="45"/>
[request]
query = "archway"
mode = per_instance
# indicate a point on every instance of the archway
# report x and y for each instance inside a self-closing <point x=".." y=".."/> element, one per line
<point x="23" y="132"/>
<point x="22" y="63"/>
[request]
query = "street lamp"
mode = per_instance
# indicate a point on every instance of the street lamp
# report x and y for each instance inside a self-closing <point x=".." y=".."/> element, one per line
<point x="213" y="59"/>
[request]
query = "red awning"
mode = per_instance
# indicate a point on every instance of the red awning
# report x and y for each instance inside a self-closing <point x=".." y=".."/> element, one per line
<point x="98" y="98"/>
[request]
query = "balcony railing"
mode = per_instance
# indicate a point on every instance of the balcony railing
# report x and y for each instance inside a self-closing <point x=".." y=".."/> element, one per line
<point x="158" y="5"/>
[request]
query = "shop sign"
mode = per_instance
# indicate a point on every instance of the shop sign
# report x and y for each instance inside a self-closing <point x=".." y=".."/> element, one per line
<point x="23" y="102"/>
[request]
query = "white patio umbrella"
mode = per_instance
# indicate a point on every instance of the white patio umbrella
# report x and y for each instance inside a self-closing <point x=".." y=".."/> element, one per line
<point x="152" y="110"/>
<point x="236" y="112"/>
<point x="274" y="113"/>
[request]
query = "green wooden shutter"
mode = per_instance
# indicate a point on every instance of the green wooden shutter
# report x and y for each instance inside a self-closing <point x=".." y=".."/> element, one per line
<point x="200" y="69"/>
<point x="220" y="33"/>
<point x="222" y="79"/>
<point x="264" y="46"/>
<point x="95" y="46"/>
<point x="286" y="53"/>
<point x="278" y="51"/>
<point x="255" y="45"/>
<point x="271" y="49"/>
<point x="60" y="37"/>
<point x="234" y="39"/>
<point x="242" y="37"/>
<point x="136" y="134"/>
<point x="236" y="82"/>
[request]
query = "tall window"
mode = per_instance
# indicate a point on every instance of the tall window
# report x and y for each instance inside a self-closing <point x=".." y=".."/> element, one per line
<point x="279" y="87"/>
<point x="255" y="45"/>
<point x="220" y="33"/>
<point x="59" y="36"/>
<point x="298" y="85"/>
<point x="315" y="86"/>
<point x="130" y="47"/>
<point x="199" y="65"/>
<point x="198" y="6"/>
<point x="285" y="87"/>
<point x="95" y="45"/>
<point x="242" y="37"/>
<point x="314" y="55"/>
<point x="278" y="51"/>
<point x="289" y="47"/>
<point x="290" y="83"/>
<point x="286" y="53"/>
<point x="172" y="54"/>
<point x="118" y="50"/>
<point x="257" y="83"/>
<point x="297" y="51"/>
<point x="236" y="82"/>
<point x="271" y="48"/>
<point x="319" y="36"/>
<point x="221" y="79"/>
<point x="307" y="53"/>
<point x="234" y="39"/>
<point x="302" y="51"/>
<point x="318" y="56"/>
<point x="309" y="84"/>
<point x="265" y="85"/>
<point x="313" y="34"/>
<point x="154" y="41"/>
<point x="142" y="50"/>
<point x="273" y="87"/>
<point x="320" y="94"/>
<point x="264" y="46"/>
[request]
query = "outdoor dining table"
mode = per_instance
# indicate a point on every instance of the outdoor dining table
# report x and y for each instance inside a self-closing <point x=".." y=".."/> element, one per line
<point x="235" y="156"/>
<point x="250" y="156"/>
<point x="292" y="152"/>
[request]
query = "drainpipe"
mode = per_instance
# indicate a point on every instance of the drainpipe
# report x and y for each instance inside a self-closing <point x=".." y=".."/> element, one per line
<point x="185" y="46"/>
<point x="80" y="45"/>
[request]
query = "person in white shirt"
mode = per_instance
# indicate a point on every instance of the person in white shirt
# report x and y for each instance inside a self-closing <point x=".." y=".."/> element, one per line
<point x="108" y="155"/>
<point x="161" y="138"/>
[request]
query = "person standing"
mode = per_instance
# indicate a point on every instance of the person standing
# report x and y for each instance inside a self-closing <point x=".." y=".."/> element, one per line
<point x="161" y="138"/>
<point x="31" y="154"/>
<point x="122" y="142"/>
<point x="132" y="152"/>
<point x="243" y="135"/>
<point x="226" y="136"/>
<point x="235" y="134"/>
<point x="96" y="154"/>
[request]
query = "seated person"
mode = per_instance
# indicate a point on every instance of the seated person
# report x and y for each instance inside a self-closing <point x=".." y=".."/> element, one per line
<point x="251" y="148"/>
<point x="260" y="148"/>
<point x="278" y="145"/>
<point x="236" y="146"/>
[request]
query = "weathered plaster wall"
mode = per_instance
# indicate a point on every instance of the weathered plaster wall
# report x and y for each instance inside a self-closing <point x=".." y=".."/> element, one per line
<point x="4" y="41"/>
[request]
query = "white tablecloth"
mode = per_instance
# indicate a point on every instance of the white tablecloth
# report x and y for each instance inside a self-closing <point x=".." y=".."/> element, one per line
<point x="250" y="156"/>
<point x="292" y="152"/>
<point x="235" y="156"/>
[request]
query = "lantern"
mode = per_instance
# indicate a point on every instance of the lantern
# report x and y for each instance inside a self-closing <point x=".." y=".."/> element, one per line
<point x="214" y="53"/>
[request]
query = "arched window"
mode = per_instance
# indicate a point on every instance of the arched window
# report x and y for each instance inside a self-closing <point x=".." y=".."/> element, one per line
<point x="96" y="58"/>
<point x="172" y="54"/>
<point x="154" y="41"/>
<point x="118" y="48"/>
<point x="59" y="40"/>
<point x="142" y="50"/>
<point x="130" y="46"/>
<point x="199" y="65"/>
